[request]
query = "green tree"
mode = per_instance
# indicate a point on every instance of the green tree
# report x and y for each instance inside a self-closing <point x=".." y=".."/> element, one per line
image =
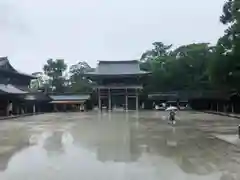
<point x="55" y="69"/>
<point x="186" y="67"/>
<point x="160" y="49"/>
<point x="194" y="60"/>
<point x="220" y="65"/>
<point x="154" y="60"/>
<point x="78" y="82"/>
<point x="41" y="83"/>
<point x="225" y="67"/>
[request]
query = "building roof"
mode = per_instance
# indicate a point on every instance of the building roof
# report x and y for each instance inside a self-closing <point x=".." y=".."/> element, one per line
<point x="5" y="66"/>
<point x="188" y="94"/>
<point x="37" y="96"/>
<point x="69" y="98"/>
<point x="114" y="68"/>
<point x="118" y="86"/>
<point x="10" y="89"/>
<point x="163" y="96"/>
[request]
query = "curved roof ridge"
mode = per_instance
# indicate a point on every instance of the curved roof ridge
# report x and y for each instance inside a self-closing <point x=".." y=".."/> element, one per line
<point x="118" y="61"/>
<point x="5" y="65"/>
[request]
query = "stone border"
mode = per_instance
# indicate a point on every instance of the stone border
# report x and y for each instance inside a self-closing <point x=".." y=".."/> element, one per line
<point x="223" y="114"/>
<point x="19" y="116"/>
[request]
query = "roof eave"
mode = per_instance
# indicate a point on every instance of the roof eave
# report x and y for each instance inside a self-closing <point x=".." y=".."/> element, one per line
<point x="12" y="69"/>
<point x="117" y="62"/>
<point x="102" y="75"/>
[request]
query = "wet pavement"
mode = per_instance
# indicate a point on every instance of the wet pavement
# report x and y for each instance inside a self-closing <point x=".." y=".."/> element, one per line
<point x="119" y="146"/>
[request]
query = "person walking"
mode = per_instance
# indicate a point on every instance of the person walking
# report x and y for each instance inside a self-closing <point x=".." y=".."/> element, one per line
<point x="172" y="115"/>
<point x="10" y="108"/>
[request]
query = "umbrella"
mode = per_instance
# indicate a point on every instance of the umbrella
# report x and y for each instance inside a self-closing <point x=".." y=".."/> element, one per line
<point x="172" y="108"/>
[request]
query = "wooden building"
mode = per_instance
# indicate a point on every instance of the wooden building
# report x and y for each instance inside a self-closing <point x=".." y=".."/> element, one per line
<point x="70" y="102"/>
<point x="157" y="98"/>
<point x="15" y="95"/>
<point x="199" y="100"/>
<point x="118" y="84"/>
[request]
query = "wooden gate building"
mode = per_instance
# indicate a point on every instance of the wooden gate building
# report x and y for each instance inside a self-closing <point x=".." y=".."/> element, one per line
<point x="118" y="84"/>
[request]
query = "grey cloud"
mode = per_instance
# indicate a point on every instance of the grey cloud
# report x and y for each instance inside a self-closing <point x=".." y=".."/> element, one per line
<point x="101" y="29"/>
<point x="10" y="18"/>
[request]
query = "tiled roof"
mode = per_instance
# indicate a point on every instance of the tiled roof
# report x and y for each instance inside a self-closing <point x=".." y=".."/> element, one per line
<point x="39" y="96"/>
<point x="188" y="94"/>
<point x="7" y="67"/>
<point x="117" y="68"/>
<point x="79" y="97"/>
<point x="11" y="89"/>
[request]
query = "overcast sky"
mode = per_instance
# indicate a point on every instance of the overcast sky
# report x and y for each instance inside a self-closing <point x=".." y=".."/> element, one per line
<point x="34" y="30"/>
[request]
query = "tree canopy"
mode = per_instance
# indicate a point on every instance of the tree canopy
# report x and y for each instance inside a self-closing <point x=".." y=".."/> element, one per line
<point x="77" y="80"/>
<point x="225" y="68"/>
<point x="55" y="69"/>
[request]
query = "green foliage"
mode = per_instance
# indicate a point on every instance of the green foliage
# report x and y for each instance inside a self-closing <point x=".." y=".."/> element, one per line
<point x="179" y="69"/>
<point x="55" y="69"/>
<point x="78" y="83"/>
<point x="159" y="50"/>
<point x="42" y="82"/>
<point x="199" y="66"/>
<point x="227" y="16"/>
<point x="225" y="67"/>
<point x="56" y="79"/>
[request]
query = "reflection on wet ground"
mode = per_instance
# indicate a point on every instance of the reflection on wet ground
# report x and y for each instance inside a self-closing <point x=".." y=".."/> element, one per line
<point x="124" y="146"/>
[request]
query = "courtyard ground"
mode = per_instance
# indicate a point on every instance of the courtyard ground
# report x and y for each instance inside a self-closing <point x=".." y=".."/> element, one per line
<point x="120" y="146"/>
